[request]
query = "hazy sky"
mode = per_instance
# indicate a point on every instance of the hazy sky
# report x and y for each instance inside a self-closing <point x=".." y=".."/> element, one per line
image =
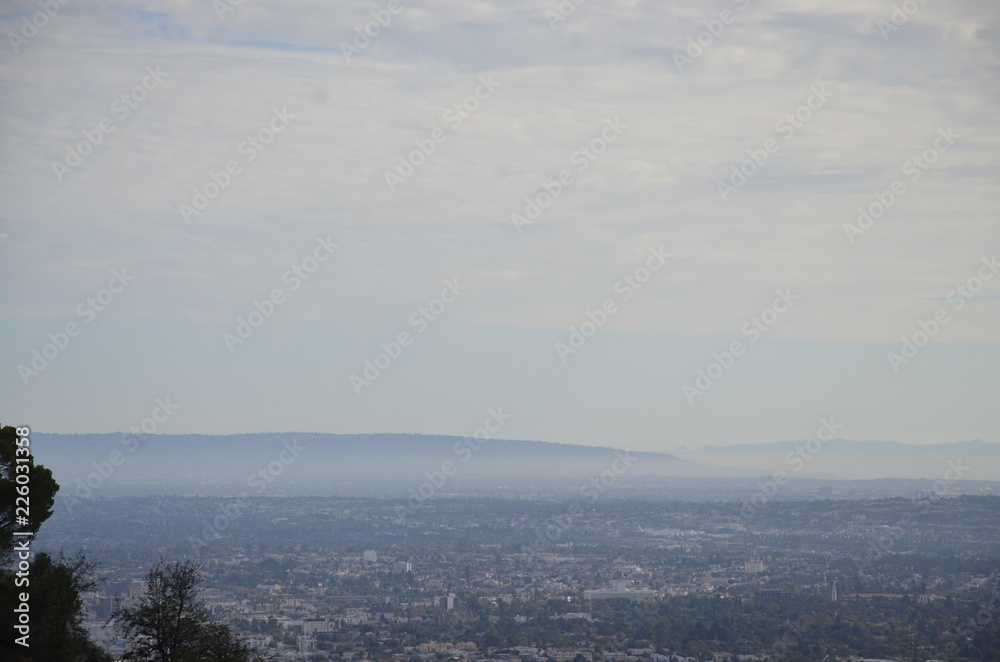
<point x="117" y="118"/>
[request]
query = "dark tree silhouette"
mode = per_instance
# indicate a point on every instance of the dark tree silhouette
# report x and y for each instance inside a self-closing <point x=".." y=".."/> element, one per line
<point x="53" y="587"/>
<point x="41" y="493"/>
<point x="56" y="610"/>
<point x="170" y="624"/>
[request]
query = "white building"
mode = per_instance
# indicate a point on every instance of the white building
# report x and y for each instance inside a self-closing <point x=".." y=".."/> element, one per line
<point x="258" y="642"/>
<point x="312" y="626"/>
<point x="619" y="589"/>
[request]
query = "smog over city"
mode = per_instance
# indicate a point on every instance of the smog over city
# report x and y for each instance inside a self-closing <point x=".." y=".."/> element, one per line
<point x="480" y="331"/>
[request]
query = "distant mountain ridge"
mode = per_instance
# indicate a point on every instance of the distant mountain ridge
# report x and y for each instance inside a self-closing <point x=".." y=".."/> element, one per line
<point x="400" y="458"/>
<point x="405" y="444"/>
<point x="973" y="447"/>
<point x="852" y="459"/>
<point x="200" y="463"/>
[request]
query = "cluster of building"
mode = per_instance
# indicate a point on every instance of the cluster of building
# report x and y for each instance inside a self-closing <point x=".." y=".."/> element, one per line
<point x="302" y="579"/>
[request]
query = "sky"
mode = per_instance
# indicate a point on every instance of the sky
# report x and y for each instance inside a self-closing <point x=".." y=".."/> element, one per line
<point x="637" y="224"/>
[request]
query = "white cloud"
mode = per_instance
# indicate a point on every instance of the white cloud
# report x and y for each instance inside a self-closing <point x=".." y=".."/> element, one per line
<point x="656" y="185"/>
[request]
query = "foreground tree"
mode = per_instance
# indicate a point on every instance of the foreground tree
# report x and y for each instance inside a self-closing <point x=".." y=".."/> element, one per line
<point x="39" y="489"/>
<point x="53" y="588"/>
<point x="57" y="632"/>
<point x="170" y="624"/>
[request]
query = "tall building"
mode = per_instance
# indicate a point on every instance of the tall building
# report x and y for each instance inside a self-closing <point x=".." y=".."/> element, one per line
<point x="833" y="592"/>
<point x="369" y="556"/>
<point x="306" y="644"/>
<point x="137" y="589"/>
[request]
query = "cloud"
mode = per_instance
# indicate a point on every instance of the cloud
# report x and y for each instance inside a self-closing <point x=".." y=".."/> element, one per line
<point x="354" y="118"/>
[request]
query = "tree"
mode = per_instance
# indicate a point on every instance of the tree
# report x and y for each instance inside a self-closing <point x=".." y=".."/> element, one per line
<point x="57" y="632"/>
<point x="170" y="624"/>
<point x="38" y="490"/>
<point x="27" y="491"/>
